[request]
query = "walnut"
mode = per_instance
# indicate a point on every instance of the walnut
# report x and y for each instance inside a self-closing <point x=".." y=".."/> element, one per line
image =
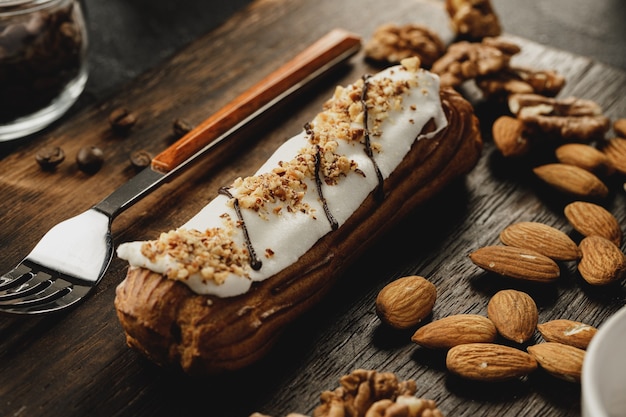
<point x="571" y="119"/>
<point x="506" y="47"/>
<point x="467" y="60"/>
<point x="514" y="80"/>
<point x="288" y="415"/>
<point x="392" y="43"/>
<point x="404" y="406"/>
<point x="473" y="19"/>
<point x="368" y="393"/>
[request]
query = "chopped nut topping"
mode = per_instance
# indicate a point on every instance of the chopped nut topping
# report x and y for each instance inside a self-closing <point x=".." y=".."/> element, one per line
<point x="213" y="254"/>
<point x="392" y="43"/>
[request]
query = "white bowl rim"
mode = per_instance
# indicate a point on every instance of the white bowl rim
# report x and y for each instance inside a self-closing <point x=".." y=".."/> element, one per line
<point x="591" y="395"/>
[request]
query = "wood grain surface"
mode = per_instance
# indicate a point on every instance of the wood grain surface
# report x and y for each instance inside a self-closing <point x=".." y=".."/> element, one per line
<point x="77" y="363"/>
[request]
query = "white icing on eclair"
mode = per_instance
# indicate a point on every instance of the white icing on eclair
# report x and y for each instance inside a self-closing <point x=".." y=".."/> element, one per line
<point x="281" y="209"/>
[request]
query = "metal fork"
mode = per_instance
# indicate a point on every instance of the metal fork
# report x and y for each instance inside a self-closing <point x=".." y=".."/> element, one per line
<point x="71" y="259"/>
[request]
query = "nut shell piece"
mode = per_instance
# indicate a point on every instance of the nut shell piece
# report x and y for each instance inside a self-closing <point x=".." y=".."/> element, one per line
<point x="489" y="362"/>
<point x="592" y="219"/>
<point x="572" y="180"/>
<point x="545" y="239"/>
<point x="473" y="19"/>
<point x="570" y="119"/>
<point x="568" y="332"/>
<point x="615" y="150"/>
<point x="516" y="263"/>
<point x="509" y="138"/>
<point x="405" y="302"/>
<point x="392" y="43"/>
<point x="455" y="330"/>
<point x="619" y="127"/>
<point x="586" y="157"/>
<point x="602" y="262"/>
<point x="465" y="60"/>
<point x="514" y="313"/>
<point x="560" y="360"/>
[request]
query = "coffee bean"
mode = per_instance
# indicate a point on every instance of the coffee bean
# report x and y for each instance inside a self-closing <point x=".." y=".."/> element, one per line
<point x="122" y="119"/>
<point x="140" y="159"/>
<point x="48" y="158"/>
<point x="90" y="159"/>
<point x="181" y="127"/>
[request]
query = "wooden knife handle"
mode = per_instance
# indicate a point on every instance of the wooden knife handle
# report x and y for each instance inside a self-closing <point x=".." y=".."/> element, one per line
<point x="324" y="51"/>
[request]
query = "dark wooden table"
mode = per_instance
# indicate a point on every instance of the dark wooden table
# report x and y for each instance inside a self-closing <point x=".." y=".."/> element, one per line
<point x="187" y="63"/>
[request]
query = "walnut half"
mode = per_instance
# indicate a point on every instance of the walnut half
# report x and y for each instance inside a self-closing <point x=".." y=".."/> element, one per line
<point x="517" y="80"/>
<point x="473" y="19"/>
<point x="467" y="60"/>
<point x="392" y="43"/>
<point x="368" y="393"/>
<point x="571" y="119"/>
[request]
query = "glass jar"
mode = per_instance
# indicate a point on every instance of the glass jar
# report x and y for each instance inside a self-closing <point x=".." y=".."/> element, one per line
<point x="43" y="67"/>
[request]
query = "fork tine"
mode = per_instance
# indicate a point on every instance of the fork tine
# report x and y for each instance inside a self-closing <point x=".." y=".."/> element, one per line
<point x="31" y="289"/>
<point x="17" y="276"/>
<point x="45" y="303"/>
<point x="29" y="283"/>
<point x="40" y="285"/>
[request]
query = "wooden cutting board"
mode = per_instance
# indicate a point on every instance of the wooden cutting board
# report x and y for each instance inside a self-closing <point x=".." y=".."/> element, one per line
<point x="77" y="363"/>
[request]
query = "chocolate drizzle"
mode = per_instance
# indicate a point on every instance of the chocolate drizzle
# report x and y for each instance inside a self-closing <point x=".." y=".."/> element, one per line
<point x="334" y="225"/>
<point x="379" y="193"/>
<point x="255" y="263"/>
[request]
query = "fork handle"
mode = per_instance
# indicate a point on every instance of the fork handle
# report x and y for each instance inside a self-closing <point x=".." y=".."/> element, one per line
<point x="336" y="45"/>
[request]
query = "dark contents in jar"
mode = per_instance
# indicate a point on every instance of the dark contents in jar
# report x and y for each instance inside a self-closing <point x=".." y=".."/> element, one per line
<point x="39" y="56"/>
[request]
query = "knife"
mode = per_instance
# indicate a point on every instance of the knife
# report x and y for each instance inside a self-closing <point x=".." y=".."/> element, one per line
<point x="316" y="60"/>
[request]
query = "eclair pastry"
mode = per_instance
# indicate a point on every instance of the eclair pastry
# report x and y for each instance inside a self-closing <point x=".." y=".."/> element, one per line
<point x="214" y="294"/>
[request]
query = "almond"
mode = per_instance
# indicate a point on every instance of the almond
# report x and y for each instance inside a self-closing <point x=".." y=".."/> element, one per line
<point x="489" y="362"/>
<point x="508" y="136"/>
<point x="602" y="262"/>
<point x="542" y="238"/>
<point x="615" y="150"/>
<point x="568" y="332"/>
<point x="455" y="330"/>
<point x="619" y="127"/>
<point x="590" y="219"/>
<point x="517" y="263"/>
<point x="572" y="180"/>
<point x="406" y="301"/>
<point x="560" y="360"/>
<point x="514" y="313"/>
<point x="586" y="157"/>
